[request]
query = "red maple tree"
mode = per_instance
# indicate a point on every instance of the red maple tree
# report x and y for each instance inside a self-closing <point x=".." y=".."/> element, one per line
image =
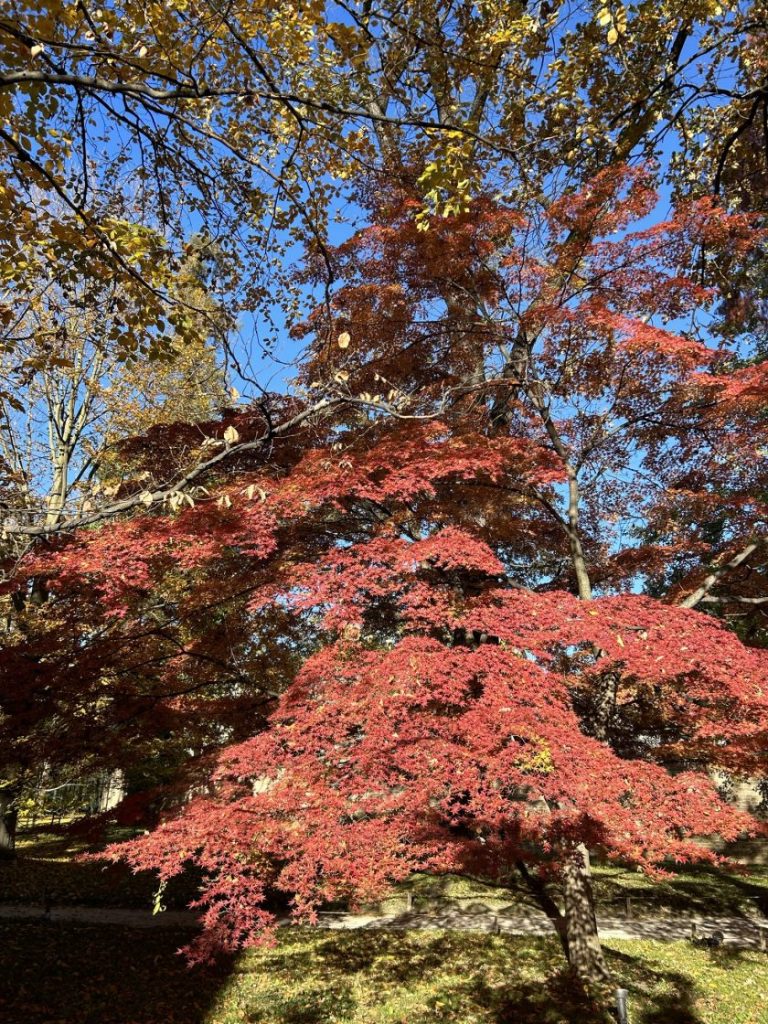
<point x="401" y="591"/>
<point x="468" y="742"/>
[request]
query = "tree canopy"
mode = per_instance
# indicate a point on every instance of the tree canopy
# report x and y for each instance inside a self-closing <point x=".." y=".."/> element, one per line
<point x="258" y="125"/>
<point x="483" y="584"/>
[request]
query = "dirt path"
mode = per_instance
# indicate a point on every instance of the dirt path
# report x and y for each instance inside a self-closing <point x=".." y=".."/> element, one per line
<point x="746" y="933"/>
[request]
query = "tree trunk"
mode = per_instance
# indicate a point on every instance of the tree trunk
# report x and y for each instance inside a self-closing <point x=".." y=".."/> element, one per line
<point x="585" y="953"/>
<point x="8" y="817"/>
<point x="547" y="904"/>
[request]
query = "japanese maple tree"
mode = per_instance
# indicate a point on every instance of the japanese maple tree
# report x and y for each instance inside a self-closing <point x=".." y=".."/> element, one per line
<point x="400" y="587"/>
<point x="448" y="724"/>
<point x="448" y="721"/>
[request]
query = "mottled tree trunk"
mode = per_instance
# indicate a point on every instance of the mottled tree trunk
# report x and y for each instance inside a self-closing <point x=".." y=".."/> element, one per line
<point x="585" y="953"/>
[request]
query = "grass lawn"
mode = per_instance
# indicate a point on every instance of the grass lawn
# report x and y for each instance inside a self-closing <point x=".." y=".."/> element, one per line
<point x="64" y="973"/>
<point x="76" y="974"/>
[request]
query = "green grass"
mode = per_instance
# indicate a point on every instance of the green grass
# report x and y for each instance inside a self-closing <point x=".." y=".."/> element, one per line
<point x="418" y="977"/>
<point x="75" y="974"/>
<point x="700" y="890"/>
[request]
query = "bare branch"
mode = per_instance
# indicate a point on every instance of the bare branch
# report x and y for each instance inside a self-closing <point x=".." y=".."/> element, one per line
<point x="701" y="592"/>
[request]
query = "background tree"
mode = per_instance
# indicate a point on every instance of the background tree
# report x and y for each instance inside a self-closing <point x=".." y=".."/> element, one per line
<point x="70" y="400"/>
<point x="71" y="397"/>
<point x="576" y="331"/>
<point x="257" y="127"/>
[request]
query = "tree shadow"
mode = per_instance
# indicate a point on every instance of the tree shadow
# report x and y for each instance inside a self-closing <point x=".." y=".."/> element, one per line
<point x="63" y="973"/>
<point x="75" y="974"/>
<point x="47" y="871"/>
<point x="655" y="996"/>
<point x="422" y="978"/>
<point x="698" y="890"/>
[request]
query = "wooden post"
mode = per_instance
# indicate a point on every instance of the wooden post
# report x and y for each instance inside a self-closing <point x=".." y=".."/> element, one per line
<point x="629" y="906"/>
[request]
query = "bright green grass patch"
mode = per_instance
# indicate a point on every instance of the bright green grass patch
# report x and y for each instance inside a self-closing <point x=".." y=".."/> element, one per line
<point x="725" y="986"/>
<point x="75" y="974"/>
<point x="421" y="977"/>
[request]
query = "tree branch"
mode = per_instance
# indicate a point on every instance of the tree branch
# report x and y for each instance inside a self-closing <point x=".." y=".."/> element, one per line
<point x="701" y="592"/>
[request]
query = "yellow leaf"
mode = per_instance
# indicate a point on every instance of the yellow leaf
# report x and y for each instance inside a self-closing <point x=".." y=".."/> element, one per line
<point x="612" y="36"/>
<point x="344" y="339"/>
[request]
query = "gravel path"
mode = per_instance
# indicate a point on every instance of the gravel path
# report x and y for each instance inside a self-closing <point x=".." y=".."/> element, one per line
<point x="99" y="915"/>
<point x="746" y="933"/>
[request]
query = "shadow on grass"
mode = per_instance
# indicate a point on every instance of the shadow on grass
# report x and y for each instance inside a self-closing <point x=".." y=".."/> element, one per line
<point x="655" y="996"/>
<point x="691" y="890"/>
<point x="46" y="870"/>
<point x="35" y="881"/>
<point x="422" y="978"/>
<point x="78" y="974"/>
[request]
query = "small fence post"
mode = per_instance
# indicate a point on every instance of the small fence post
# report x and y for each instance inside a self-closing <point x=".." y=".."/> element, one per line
<point x="629" y="906"/>
<point x="621" y="1005"/>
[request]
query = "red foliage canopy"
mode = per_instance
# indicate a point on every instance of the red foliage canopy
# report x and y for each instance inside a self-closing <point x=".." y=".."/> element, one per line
<point x="360" y="594"/>
<point x="439" y="756"/>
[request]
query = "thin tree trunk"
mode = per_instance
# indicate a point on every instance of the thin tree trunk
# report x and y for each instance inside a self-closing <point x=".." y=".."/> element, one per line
<point x="584" y="951"/>
<point x="547" y="904"/>
<point x="8" y="819"/>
